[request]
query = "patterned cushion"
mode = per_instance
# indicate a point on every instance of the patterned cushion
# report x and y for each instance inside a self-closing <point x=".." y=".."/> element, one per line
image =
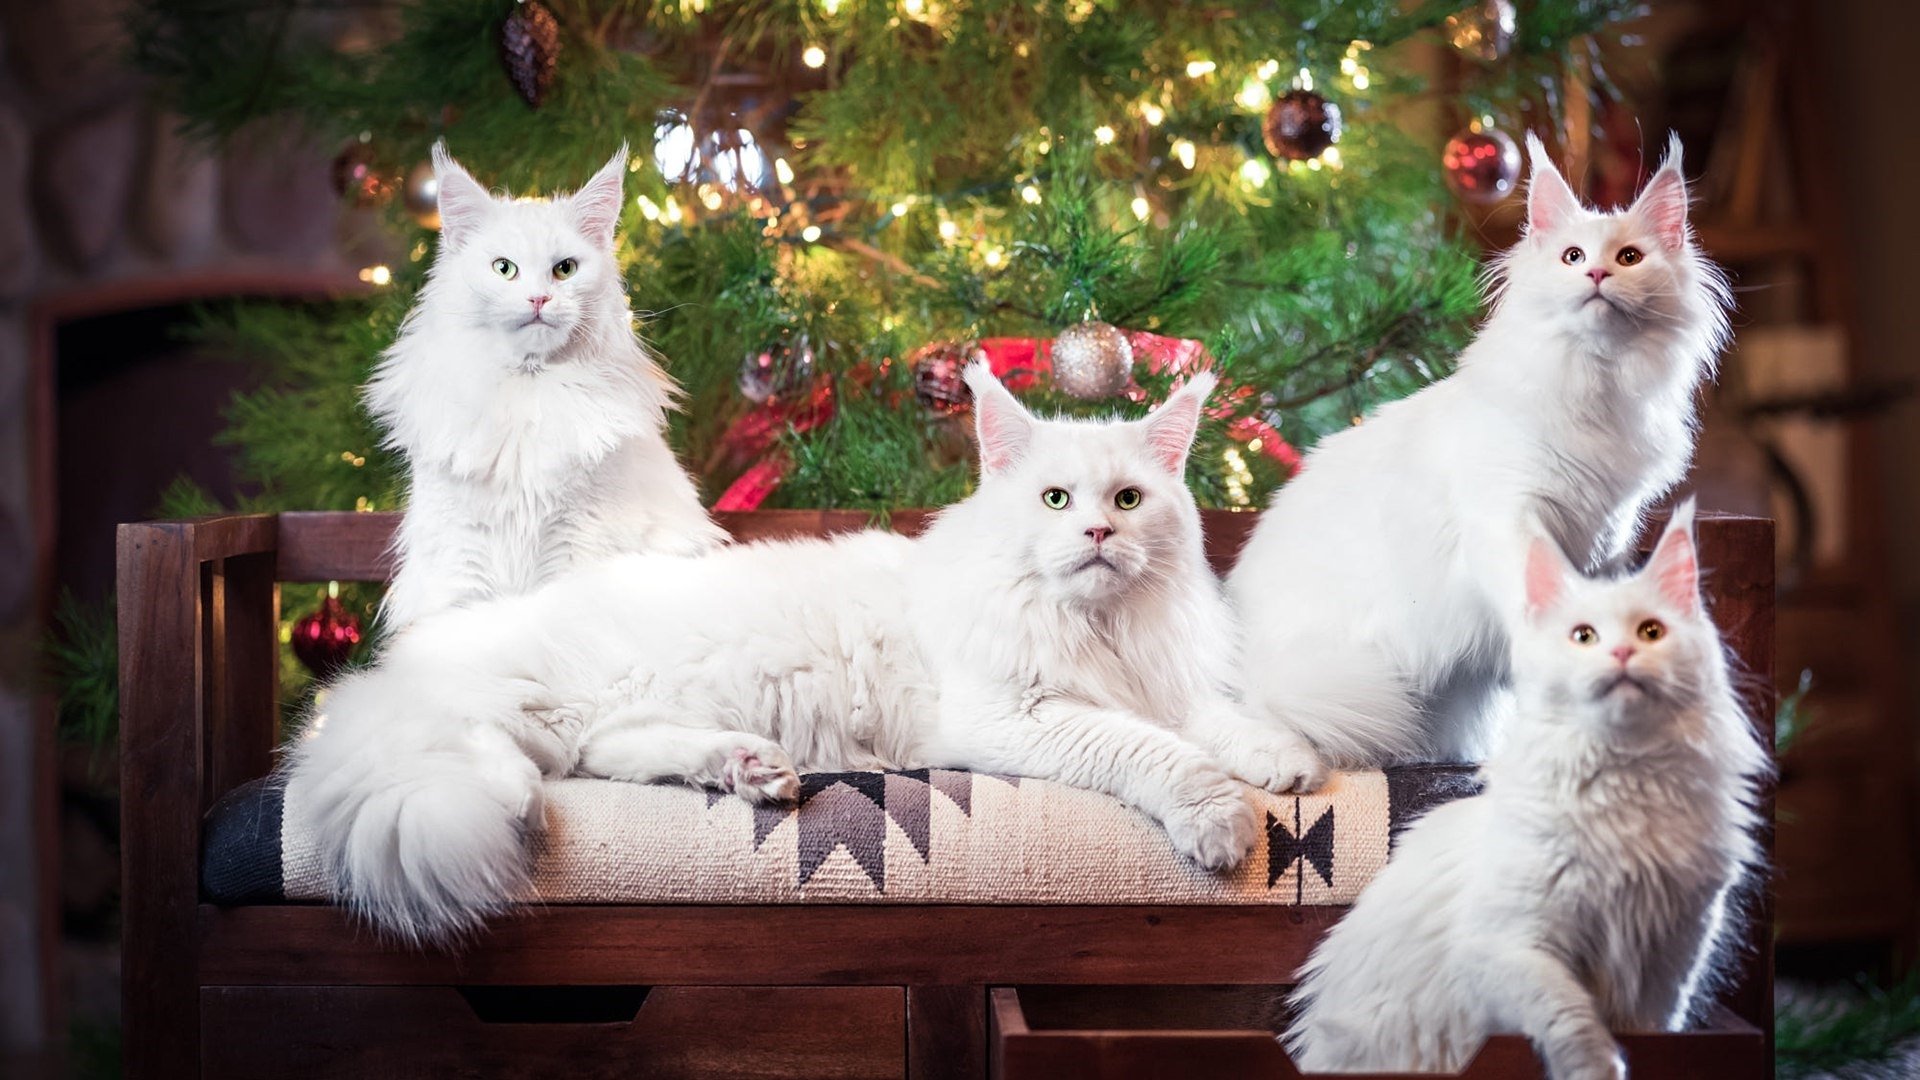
<point x="921" y="836"/>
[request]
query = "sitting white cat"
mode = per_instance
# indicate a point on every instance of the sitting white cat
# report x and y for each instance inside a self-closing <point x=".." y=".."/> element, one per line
<point x="531" y="416"/>
<point x="1060" y="623"/>
<point x="1587" y="888"/>
<point x="1376" y="590"/>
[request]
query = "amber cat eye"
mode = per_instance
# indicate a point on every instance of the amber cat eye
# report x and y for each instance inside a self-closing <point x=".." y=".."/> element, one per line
<point x="1652" y="630"/>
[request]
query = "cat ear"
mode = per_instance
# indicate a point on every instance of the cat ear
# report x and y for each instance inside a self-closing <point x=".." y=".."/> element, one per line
<point x="1550" y="202"/>
<point x="1170" y="429"/>
<point x="596" y="206"/>
<point x="1675" y="566"/>
<point x="1547" y="574"/>
<point x="1663" y="205"/>
<point x="463" y="202"/>
<point x="1002" y="424"/>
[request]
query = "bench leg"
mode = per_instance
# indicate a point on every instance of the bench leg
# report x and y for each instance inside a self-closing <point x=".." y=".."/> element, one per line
<point x="946" y="1032"/>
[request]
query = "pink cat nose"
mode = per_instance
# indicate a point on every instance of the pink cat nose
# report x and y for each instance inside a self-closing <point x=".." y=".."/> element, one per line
<point x="1099" y="533"/>
<point x="538" y="302"/>
<point x="1598" y="275"/>
<point x="1622" y="653"/>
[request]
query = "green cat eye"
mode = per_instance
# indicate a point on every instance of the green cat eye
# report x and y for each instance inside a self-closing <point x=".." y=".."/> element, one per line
<point x="1127" y="499"/>
<point x="564" y="269"/>
<point x="1056" y="498"/>
<point x="506" y="269"/>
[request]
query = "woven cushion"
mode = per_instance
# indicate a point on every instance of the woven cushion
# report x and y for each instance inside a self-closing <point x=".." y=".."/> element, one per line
<point x="922" y="836"/>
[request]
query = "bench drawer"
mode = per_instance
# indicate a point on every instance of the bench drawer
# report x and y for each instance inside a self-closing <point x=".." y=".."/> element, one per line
<point x="1124" y="1033"/>
<point x="535" y="1033"/>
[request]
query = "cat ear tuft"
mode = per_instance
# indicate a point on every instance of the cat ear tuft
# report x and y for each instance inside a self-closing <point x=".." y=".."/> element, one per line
<point x="1550" y="202"/>
<point x="1002" y="425"/>
<point x="1171" y="426"/>
<point x="596" y="206"/>
<point x="1675" y="566"/>
<point x="463" y="202"/>
<point x="1547" y="574"/>
<point x="1662" y="205"/>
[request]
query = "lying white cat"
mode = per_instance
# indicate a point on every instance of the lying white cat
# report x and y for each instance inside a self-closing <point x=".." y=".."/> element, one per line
<point x="1060" y="623"/>
<point x="1587" y="887"/>
<point x="531" y="416"/>
<point x="1374" y="592"/>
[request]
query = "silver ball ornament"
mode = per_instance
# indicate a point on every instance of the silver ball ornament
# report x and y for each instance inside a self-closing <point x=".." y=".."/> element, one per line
<point x="1092" y="360"/>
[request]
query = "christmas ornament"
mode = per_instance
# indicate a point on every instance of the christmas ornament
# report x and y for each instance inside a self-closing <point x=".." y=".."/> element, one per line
<point x="938" y="374"/>
<point x="1092" y="360"/>
<point x="421" y="195"/>
<point x="324" y="640"/>
<point x="357" y="178"/>
<point x="1481" y="165"/>
<point x="530" y="46"/>
<point x="1301" y="125"/>
<point x="1484" y="31"/>
<point x="779" y="370"/>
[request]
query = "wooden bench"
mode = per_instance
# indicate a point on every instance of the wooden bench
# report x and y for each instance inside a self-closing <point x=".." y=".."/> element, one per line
<point x="292" y="990"/>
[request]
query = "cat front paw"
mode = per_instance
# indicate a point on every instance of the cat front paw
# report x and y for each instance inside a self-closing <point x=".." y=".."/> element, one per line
<point x="1279" y="763"/>
<point x="1596" y="1058"/>
<point x="761" y="774"/>
<point x="1215" y="825"/>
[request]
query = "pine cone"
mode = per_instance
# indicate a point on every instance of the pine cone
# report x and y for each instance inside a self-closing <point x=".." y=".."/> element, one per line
<point x="530" y="46"/>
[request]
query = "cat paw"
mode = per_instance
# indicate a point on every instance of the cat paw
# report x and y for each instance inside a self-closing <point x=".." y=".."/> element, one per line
<point x="1594" y="1059"/>
<point x="761" y="774"/>
<point x="1217" y="827"/>
<point x="1281" y="765"/>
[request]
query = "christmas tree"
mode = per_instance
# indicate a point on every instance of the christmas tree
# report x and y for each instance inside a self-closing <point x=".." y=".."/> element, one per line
<point x="835" y="204"/>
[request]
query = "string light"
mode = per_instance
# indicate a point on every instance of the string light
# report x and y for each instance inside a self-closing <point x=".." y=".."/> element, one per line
<point x="900" y="209"/>
<point x="913" y="7"/>
<point x="377" y="274"/>
<point x="1255" y="172"/>
<point x="648" y="208"/>
<point x="810" y="233"/>
<point x="673" y="212"/>
<point x="1152" y="114"/>
<point x="1267" y="69"/>
<point x="1030" y="194"/>
<point x="1198" y="68"/>
<point x="1254" y="95"/>
<point x="814" y="56"/>
<point x="1184" y="150"/>
<point x="831" y="7"/>
<point x="1103" y="135"/>
<point x="995" y="256"/>
<point x="948" y="230"/>
<point x="1141" y="208"/>
<point x="783" y="170"/>
<point x="1305" y="80"/>
<point x="1332" y="157"/>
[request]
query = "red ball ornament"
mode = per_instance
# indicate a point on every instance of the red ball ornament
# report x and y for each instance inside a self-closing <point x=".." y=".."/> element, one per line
<point x="358" y="179"/>
<point x="939" y="374"/>
<point x="1481" y="166"/>
<point x="1301" y="125"/>
<point x="324" y="640"/>
<point x="781" y="369"/>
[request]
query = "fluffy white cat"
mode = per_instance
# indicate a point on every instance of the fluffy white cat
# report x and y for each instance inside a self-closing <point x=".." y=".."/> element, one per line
<point x="530" y="414"/>
<point x="1375" y="590"/>
<point x="1587" y="887"/>
<point x="1060" y="623"/>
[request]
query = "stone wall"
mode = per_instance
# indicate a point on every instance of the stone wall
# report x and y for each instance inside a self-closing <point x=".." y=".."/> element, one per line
<point x="102" y="199"/>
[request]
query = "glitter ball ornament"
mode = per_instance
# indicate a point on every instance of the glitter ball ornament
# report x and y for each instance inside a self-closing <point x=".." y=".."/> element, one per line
<point x="939" y="372"/>
<point x="530" y="47"/>
<point x="1483" y="31"/>
<point x="358" y="179"/>
<point x="324" y="640"/>
<point x="1092" y="360"/>
<point x="1481" y="166"/>
<point x="780" y="369"/>
<point x="420" y="194"/>
<point x="1301" y="125"/>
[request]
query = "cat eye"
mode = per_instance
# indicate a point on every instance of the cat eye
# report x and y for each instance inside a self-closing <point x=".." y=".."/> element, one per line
<point x="1573" y="256"/>
<point x="1652" y="630"/>
<point x="1127" y="499"/>
<point x="506" y="269"/>
<point x="1584" y="635"/>
<point x="1628" y="256"/>
<point x="1056" y="498"/>
<point x="564" y="269"/>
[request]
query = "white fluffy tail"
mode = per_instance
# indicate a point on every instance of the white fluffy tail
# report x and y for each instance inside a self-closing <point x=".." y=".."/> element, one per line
<point x="420" y="807"/>
<point x="1345" y="700"/>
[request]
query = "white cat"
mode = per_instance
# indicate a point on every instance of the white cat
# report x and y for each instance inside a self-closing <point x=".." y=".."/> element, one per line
<point x="1375" y="590"/>
<point x="531" y="416"/>
<point x="1587" y="887"/>
<point x="1060" y="623"/>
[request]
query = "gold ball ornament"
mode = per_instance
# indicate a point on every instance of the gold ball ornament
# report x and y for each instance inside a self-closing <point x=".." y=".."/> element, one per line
<point x="420" y="194"/>
<point x="1092" y="360"/>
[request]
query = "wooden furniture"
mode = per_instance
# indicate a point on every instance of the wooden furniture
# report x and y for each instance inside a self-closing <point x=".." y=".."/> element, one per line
<point x="690" y="990"/>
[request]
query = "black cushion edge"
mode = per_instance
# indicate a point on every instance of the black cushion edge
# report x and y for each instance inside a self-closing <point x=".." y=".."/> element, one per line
<point x="240" y="856"/>
<point x="1412" y="790"/>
